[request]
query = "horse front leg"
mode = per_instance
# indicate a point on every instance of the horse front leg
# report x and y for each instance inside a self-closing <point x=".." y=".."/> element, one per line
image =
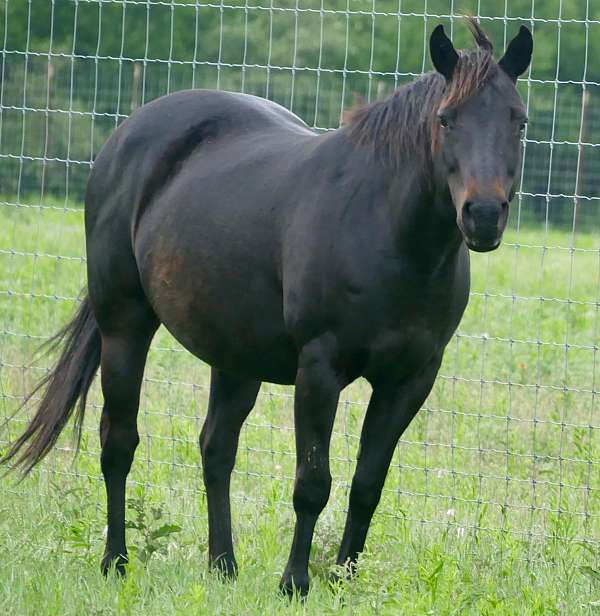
<point x="316" y="397"/>
<point x="391" y="409"/>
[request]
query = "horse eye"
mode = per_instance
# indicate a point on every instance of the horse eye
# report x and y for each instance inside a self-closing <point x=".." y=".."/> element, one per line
<point x="444" y="121"/>
<point x="522" y="127"/>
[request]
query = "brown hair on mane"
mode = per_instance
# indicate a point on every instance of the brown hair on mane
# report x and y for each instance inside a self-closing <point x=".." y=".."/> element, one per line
<point x="404" y="123"/>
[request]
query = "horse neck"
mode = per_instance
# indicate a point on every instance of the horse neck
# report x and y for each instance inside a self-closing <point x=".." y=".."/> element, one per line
<point x="422" y="216"/>
<point x="419" y="208"/>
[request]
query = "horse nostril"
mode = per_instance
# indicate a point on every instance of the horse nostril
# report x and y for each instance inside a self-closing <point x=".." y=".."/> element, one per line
<point x="504" y="206"/>
<point x="468" y="219"/>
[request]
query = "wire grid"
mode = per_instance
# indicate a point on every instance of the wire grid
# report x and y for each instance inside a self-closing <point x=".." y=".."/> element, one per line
<point x="508" y="440"/>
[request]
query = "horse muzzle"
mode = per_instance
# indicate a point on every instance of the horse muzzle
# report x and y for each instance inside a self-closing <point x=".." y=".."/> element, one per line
<point x="482" y="223"/>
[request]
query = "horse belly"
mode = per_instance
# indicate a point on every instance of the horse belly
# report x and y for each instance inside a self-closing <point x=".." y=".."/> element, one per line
<point x="215" y="291"/>
<point x="222" y="326"/>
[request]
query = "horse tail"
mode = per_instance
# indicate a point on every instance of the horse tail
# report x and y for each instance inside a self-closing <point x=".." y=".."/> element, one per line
<point x="67" y="382"/>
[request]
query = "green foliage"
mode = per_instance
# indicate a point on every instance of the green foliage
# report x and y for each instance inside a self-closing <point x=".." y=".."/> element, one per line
<point x="317" y="57"/>
<point x="152" y="531"/>
<point x="490" y="507"/>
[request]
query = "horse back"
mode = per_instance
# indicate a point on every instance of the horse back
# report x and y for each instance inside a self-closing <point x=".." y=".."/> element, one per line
<point x="148" y="149"/>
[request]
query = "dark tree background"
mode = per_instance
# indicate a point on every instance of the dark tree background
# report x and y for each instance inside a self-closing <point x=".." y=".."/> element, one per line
<point x="72" y="70"/>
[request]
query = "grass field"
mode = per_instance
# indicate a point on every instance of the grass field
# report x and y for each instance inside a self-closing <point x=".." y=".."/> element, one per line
<point x="492" y="505"/>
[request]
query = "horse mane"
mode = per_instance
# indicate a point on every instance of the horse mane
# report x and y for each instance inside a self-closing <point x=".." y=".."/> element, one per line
<point x="404" y="124"/>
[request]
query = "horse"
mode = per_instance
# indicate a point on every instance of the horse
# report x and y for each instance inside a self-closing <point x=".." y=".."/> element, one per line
<point x="278" y="254"/>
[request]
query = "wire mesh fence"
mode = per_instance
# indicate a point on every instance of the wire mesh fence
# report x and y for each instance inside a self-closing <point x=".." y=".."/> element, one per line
<point x="508" y="439"/>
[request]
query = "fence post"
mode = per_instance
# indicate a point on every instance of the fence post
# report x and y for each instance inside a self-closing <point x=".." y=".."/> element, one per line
<point x="583" y="138"/>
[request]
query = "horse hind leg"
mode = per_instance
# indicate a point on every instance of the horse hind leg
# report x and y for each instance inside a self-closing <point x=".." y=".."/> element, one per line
<point x="231" y="400"/>
<point x="126" y="338"/>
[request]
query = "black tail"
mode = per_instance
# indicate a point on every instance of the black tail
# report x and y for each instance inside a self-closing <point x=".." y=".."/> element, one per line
<point x="67" y="382"/>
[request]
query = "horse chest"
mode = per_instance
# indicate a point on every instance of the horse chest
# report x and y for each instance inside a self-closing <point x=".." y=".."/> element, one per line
<point x="404" y="344"/>
<point x="405" y="329"/>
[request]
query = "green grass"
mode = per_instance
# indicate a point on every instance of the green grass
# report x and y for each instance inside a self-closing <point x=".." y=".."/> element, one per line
<point x="492" y="504"/>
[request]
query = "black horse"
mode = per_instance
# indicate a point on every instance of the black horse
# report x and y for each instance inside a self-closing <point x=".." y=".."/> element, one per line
<point x="277" y="254"/>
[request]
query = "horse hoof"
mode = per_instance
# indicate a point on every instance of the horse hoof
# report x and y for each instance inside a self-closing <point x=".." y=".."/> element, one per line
<point x="294" y="585"/>
<point x="226" y="568"/>
<point x="117" y="562"/>
<point x="343" y="573"/>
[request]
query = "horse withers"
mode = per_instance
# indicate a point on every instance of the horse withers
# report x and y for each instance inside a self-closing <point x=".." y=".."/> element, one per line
<point x="277" y="254"/>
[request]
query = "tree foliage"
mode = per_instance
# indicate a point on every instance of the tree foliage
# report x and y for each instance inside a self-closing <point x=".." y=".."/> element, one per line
<point x="91" y="62"/>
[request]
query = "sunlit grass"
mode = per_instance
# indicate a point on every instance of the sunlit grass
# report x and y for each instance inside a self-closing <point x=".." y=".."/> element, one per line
<point x="491" y="506"/>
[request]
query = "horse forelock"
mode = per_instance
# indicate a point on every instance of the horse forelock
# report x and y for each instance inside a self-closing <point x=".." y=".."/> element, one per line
<point x="473" y="70"/>
<point x="405" y="124"/>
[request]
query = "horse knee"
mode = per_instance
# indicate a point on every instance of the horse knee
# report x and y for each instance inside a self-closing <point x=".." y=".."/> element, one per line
<point x="217" y="459"/>
<point x="311" y="491"/>
<point x="364" y="497"/>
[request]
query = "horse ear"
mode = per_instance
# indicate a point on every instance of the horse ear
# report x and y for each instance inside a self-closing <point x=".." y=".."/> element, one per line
<point x="443" y="54"/>
<point x="518" y="54"/>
